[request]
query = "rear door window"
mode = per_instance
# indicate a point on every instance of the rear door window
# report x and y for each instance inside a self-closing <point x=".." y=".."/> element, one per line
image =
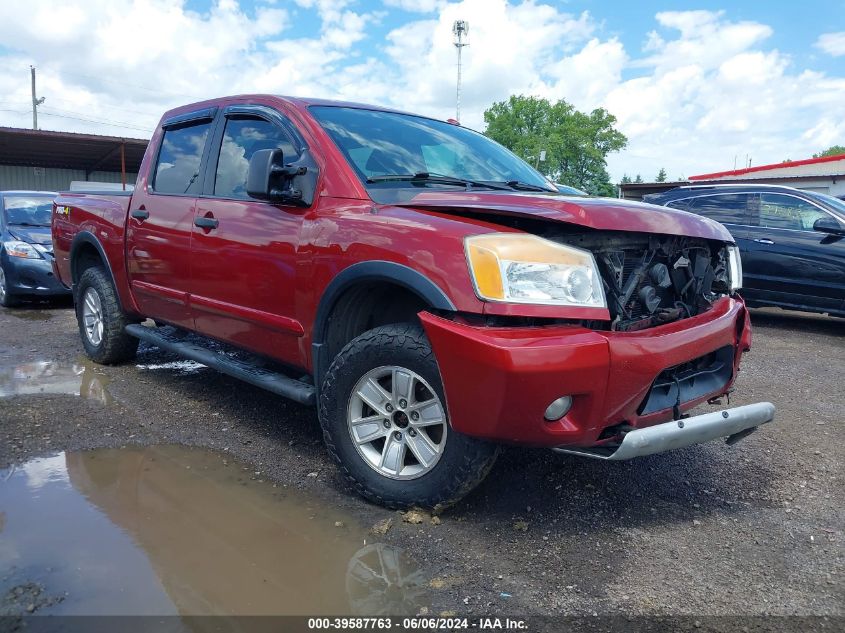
<point x="727" y="208"/>
<point x="178" y="167"/>
<point x="778" y="211"/>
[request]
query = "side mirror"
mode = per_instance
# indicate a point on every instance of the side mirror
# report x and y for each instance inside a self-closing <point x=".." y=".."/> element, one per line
<point x="269" y="179"/>
<point x="829" y="225"/>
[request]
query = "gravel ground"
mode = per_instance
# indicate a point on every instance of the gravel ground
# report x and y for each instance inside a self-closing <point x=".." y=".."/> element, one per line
<point x="752" y="529"/>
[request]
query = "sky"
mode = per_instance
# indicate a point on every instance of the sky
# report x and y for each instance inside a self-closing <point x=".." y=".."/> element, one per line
<point x="696" y="87"/>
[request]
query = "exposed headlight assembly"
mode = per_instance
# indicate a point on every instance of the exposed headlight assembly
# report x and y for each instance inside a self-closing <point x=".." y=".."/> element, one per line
<point x="734" y="268"/>
<point x="519" y="268"/>
<point x="16" y="248"/>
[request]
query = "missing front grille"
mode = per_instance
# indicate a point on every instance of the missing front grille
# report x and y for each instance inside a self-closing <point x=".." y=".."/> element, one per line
<point x="651" y="280"/>
<point x="707" y="374"/>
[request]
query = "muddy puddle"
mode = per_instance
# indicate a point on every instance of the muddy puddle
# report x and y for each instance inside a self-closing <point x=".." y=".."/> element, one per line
<point x="171" y="530"/>
<point x="81" y="378"/>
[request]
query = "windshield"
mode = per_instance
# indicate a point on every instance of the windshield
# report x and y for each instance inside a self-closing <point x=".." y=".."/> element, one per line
<point x="379" y="144"/>
<point x="837" y="204"/>
<point x="28" y="210"/>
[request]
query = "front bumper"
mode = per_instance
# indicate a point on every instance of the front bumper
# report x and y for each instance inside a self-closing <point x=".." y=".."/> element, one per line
<point x="34" y="277"/>
<point x="499" y="381"/>
<point x="730" y="423"/>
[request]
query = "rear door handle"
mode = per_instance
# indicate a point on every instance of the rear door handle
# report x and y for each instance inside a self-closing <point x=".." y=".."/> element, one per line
<point x="140" y="214"/>
<point x="762" y="240"/>
<point x="206" y="223"/>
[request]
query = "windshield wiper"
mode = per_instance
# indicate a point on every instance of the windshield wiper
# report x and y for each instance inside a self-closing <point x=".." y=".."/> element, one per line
<point x="43" y="226"/>
<point x="439" y="179"/>
<point x="524" y="186"/>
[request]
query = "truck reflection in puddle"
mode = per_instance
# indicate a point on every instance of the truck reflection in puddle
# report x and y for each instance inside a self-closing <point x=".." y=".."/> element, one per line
<point x="54" y="377"/>
<point x="171" y="530"/>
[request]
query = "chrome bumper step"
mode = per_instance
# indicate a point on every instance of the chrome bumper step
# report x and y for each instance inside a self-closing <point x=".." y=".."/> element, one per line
<point x="732" y="424"/>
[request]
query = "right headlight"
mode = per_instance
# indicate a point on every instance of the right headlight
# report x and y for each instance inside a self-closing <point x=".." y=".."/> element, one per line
<point x="16" y="248"/>
<point x="520" y="268"/>
<point x="734" y="268"/>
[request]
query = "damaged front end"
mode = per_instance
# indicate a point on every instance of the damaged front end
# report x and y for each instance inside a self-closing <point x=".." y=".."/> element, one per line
<point x="650" y="279"/>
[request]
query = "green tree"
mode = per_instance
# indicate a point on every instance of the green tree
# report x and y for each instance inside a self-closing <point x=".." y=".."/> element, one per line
<point x="576" y="143"/>
<point x="831" y="151"/>
<point x="661" y="176"/>
<point x="638" y="179"/>
<point x="626" y="179"/>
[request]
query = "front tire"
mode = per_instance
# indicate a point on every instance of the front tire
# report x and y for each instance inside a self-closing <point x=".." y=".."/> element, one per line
<point x="102" y="320"/>
<point x="7" y="300"/>
<point x="384" y="419"/>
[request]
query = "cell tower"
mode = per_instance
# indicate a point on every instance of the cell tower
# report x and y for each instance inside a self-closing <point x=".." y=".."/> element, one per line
<point x="461" y="30"/>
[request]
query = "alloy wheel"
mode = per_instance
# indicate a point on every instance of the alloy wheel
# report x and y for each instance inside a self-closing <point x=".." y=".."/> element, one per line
<point x="92" y="316"/>
<point x="397" y="422"/>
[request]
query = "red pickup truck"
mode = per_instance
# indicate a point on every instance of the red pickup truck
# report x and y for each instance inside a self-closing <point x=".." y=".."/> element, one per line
<point x="432" y="294"/>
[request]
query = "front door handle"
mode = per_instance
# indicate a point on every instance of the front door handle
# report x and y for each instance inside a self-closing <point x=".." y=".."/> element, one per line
<point x="206" y="223"/>
<point x="140" y="214"/>
<point x="763" y="240"/>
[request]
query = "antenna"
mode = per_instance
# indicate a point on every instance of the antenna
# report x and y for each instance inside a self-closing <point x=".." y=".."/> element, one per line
<point x="460" y="29"/>
<point x="35" y="102"/>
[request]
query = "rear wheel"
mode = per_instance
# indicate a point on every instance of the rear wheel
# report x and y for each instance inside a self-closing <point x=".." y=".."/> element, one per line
<point x="385" y="422"/>
<point x="101" y="320"/>
<point x="7" y="300"/>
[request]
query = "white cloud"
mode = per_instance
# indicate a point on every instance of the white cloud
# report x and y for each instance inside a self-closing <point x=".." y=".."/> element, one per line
<point x="702" y="89"/>
<point x="832" y="43"/>
<point x="510" y="46"/>
<point x="416" y="6"/>
<point x="712" y="93"/>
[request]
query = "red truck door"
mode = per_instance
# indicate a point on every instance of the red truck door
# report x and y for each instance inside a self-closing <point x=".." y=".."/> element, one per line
<point x="244" y="250"/>
<point x="160" y="223"/>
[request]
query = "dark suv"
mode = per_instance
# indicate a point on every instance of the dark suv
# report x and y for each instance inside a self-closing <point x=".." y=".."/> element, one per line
<point x="792" y="242"/>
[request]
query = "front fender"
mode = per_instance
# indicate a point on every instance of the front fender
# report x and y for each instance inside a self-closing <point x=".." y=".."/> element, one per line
<point x="361" y="272"/>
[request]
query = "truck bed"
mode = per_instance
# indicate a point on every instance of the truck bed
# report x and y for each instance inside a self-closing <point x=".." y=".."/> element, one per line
<point x="100" y="214"/>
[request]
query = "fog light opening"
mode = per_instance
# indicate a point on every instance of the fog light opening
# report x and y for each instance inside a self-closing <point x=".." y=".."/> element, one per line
<point x="558" y="408"/>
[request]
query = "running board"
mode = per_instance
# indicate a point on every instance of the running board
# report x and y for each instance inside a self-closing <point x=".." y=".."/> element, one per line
<point x="266" y="379"/>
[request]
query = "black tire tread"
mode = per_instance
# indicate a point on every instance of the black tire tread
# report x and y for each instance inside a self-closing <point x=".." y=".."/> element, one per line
<point x="117" y="346"/>
<point x="9" y="300"/>
<point x="477" y="459"/>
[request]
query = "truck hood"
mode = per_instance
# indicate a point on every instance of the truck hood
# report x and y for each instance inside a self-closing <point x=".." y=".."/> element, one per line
<point x="610" y="214"/>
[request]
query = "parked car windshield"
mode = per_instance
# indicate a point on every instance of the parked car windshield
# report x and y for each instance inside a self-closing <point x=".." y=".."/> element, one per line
<point x="379" y="145"/>
<point x="28" y="210"/>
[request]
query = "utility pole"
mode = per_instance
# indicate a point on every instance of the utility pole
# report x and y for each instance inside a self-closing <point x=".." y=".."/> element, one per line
<point x="460" y="29"/>
<point x="35" y="102"/>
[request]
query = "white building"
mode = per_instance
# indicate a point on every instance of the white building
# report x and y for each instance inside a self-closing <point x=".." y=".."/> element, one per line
<point x="824" y="175"/>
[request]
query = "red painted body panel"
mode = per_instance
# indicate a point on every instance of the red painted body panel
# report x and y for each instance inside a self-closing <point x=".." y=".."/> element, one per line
<point x="243" y="275"/>
<point x="594" y="213"/>
<point x="258" y="279"/>
<point x="159" y="278"/>
<point x="499" y="381"/>
<point x="104" y="217"/>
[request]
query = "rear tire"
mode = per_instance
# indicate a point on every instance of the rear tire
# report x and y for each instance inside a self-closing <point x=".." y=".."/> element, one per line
<point x="101" y="320"/>
<point x="384" y="420"/>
